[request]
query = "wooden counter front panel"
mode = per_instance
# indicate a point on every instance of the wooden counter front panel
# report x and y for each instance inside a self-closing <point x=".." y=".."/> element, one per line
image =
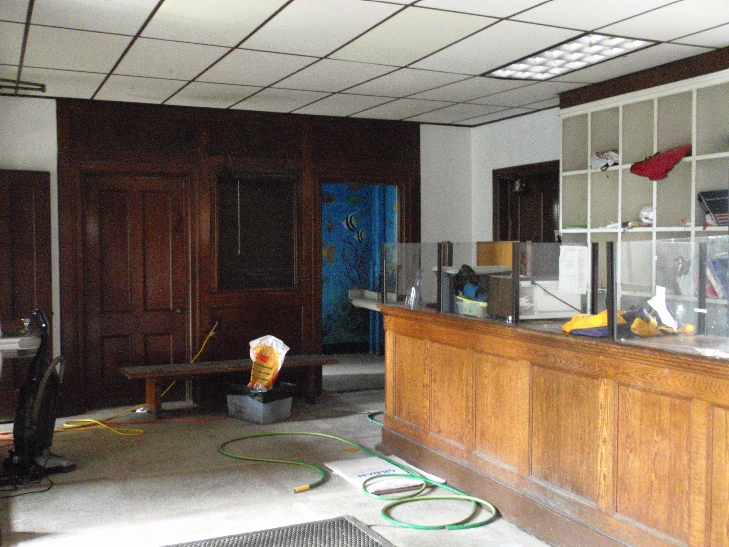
<point x="502" y="411"/>
<point x="630" y="443"/>
<point x="719" y="507"/>
<point x="410" y="380"/>
<point x="451" y="394"/>
<point x="566" y="413"/>
<point x="653" y="460"/>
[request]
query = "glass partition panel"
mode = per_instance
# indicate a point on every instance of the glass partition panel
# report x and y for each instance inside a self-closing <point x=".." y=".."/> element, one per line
<point x="555" y="281"/>
<point x="672" y="294"/>
<point x="407" y="265"/>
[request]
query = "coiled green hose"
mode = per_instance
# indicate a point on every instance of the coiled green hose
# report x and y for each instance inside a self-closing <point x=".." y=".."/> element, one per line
<point x="410" y="497"/>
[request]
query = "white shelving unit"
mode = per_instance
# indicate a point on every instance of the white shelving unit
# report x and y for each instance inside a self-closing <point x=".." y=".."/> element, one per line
<point x="595" y="204"/>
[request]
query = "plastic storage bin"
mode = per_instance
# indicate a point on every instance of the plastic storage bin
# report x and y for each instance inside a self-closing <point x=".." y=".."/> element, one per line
<point x="260" y="407"/>
<point x="466" y="306"/>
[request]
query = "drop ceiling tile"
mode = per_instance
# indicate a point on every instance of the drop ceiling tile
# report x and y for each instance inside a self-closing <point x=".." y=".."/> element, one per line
<point x="221" y="23"/>
<point x="73" y="49"/>
<point x="455" y="113"/>
<point x="12" y="43"/>
<point x="165" y="59"/>
<point x="715" y="37"/>
<point x="542" y="105"/>
<point x="279" y="100"/>
<point x="211" y="95"/>
<point x="257" y="68"/>
<point x="115" y="16"/>
<point x="64" y="83"/>
<point x="401" y="109"/>
<point x="485" y="50"/>
<point x="496" y="116"/>
<point x="405" y="82"/>
<point x="587" y="16"/>
<point x="472" y="88"/>
<point x="673" y="21"/>
<point x="528" y="94"/>
<point x="332" y="75"/>
<point x="342" y="104"/>
<point x="633" y="62"/>
<point x="15" y="11"/>
<point x="493" y="8"/>
<point x="135" y="89"/>
<point x="329" y="25"/>
<point x="410" y="35"/>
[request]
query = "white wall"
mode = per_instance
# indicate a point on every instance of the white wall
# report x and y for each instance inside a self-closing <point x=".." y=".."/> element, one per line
<point x="456" y="171"/>
<point x="445" y="191"/>
<point x="518" y="141"/>
<point x="28" y="141"/>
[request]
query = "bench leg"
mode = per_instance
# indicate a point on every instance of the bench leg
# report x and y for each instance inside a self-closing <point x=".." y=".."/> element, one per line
<point x="153" y="396"/>
<point x="311" y="384"/>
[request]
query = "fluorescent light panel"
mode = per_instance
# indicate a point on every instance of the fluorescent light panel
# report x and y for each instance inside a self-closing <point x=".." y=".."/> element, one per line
<point x="587" y="50"/>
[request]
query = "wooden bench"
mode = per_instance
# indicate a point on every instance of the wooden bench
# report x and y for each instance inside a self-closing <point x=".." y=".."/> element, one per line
<point x="155" y="375"/>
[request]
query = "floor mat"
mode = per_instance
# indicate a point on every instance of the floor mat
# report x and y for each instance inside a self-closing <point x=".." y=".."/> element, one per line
<point x="338" y="532"/>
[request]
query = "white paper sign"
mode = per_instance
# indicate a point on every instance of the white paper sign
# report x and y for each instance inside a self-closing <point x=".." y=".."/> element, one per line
<point x="574" y="269"/>
<point x="356" y="471"/>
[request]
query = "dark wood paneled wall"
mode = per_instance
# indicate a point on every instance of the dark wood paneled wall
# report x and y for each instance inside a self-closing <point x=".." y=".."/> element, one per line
<point x="683" y="69"/>
<point x="105" y="138"/>
<point x="25" y="264"/>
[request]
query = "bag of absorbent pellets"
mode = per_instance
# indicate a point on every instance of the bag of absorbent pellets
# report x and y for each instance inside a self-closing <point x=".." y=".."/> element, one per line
<point x="267" y="354"/>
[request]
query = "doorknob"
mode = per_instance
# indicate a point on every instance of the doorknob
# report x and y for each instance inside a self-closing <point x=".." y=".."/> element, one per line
<point x="179" y="310"/>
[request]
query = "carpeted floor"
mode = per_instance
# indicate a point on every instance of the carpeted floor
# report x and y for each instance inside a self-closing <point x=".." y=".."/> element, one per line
<point x="170" y="485"/>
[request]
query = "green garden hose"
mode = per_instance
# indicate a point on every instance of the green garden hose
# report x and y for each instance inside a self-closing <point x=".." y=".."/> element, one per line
<point x="399" y="500"/>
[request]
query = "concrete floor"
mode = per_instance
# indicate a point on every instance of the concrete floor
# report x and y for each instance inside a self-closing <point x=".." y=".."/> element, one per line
<point x="170" y="484"/>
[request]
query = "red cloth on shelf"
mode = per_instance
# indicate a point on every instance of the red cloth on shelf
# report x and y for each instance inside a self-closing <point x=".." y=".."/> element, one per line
<point x="657" y="167"/>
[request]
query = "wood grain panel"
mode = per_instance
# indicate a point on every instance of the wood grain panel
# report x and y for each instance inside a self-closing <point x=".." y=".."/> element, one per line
<point x="112" y="219"/>
<point x="698" y="479"/>
<point x="565" y="435"/>
<point x="158" y="234"/>
<point x="653" y="460"/>
<point x="410" y="381"/>
<point x="607" y="428"/>
<point x="451" y="393"/>
<point x="502" y="411"/>
<point x="719" y="512"/>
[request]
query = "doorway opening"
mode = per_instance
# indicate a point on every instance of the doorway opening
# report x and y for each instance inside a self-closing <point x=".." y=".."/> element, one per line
<point x="526" y="202"/>
<point x="356" y="220"/>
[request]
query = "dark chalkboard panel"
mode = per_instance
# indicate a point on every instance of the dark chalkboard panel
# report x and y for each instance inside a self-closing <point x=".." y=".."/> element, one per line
<point x="256" y="231"/>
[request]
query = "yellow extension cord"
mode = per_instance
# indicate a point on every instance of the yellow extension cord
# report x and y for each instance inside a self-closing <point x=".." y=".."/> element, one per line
<point x="73" y="425"/>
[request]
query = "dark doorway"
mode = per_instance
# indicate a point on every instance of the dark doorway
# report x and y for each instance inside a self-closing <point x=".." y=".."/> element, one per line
<point x="526" y="202"/>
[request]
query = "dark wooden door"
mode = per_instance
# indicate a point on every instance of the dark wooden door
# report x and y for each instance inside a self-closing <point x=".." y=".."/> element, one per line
<point x="25" y="266"/>
<point x="526" y="203"/>
<point x="136" y="275"/>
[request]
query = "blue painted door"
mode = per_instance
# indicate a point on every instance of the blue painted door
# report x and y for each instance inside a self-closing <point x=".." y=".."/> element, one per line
<point x="356" y="220"/>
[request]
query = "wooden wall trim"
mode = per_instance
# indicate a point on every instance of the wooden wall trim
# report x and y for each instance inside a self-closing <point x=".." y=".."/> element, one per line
<point x="683" y="69"/>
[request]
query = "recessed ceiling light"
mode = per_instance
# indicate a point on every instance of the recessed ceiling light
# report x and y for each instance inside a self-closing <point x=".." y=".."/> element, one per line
<point x="584" y="51"/>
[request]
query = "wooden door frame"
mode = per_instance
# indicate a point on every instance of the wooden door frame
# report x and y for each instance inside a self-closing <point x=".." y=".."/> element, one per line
<point x="72" y="259"/>
<point x="509" y="173"/>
